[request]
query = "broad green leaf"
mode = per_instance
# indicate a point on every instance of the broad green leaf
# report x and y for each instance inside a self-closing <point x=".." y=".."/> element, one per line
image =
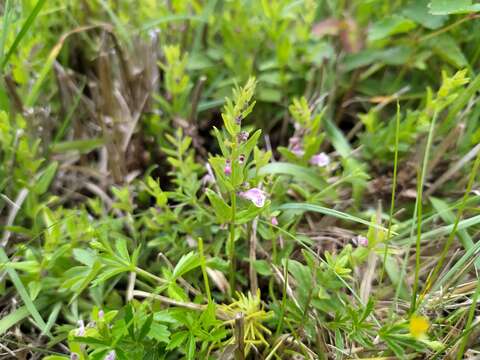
<point x="159" y="332"/>
<point x="446" y="7"/>
<point x="447" y="48"/>
<point x="222" y="210"/>
<point x="122" y="249"/>
<point x="187" y="263"/>
<point x="389" y="26"/>
<point x="43" y="182"/>
<point x="177" y="339"/>
<point x="145" y="327"/>
<point x="262" y="267"/>
<point x="84" y="256"/>
<point x="396" y="55"/>
<point x="418" y="11"/>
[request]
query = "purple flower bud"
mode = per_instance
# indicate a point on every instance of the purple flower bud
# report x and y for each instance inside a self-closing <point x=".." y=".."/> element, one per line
<point x="241" y="159"/>
<point x="255" y="195"/>
<point x="321" y="160"/>
<point x="111" y="355"/>
<point x="101" y="314"/>
<point x="274" y="221"/>
<point x="73" y="356"/>
<point x="228" y="167"/>
<point x="238" y="120"/>
<point x="243" y="136"/>
<point x="360" y="240"/>
<point x="81" y="328"/>
<point x="294" y="141"/>
<point x="298" y="151"/>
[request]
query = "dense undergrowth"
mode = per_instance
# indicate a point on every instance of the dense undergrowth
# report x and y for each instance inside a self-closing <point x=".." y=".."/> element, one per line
<point x="239" y="179"/>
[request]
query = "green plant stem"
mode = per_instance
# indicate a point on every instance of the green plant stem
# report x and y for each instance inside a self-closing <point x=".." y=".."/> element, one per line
<point x="417" y="245"/>
<point x="144" y="273"/>
<point x="231" y="243"/>
<point x="415" y="216"/>
<point x="204" y="269"/>
<point x="394" y="188"/>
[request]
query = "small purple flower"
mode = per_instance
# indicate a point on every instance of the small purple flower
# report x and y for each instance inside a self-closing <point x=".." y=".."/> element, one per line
<point x="321" y="160"/>
<point x="73" y="356"/>
<point x="298" y="151"/>
<point x="255" y="195"/>
<point x="101" y="314"/>
<point x="238" y="120"/>
<point x="111" y="355"/>
<point x="228" y="168"/>
<point x="81" y="328"/>
<point x="274" y="221"/>
<point x="360" y="240"/>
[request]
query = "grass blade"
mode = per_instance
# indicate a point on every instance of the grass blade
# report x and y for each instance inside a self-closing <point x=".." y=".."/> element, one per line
<point x="18" y="315"/>
<point x="23" y="31"/>
<point x="298" y="172"/>
<point x="6" y="25"/>
<point x="329" y="212"/>
<point x="394" y="188"/>
<point x="451" y="237"/>
<point x="29" y="304"/>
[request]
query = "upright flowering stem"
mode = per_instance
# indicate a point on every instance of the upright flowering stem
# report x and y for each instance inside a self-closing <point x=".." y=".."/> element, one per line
<point x="231" y="243"/>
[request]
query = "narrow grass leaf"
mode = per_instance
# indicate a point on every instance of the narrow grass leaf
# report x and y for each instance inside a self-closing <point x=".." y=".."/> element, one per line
<point x="32" y="309"/>
<point x="23" y="31"/>
<point x="298" y="172"/>
<point x="329" y="212"/>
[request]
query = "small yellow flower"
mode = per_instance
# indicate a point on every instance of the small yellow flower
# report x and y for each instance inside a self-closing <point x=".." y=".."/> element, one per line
<point x="418" y="326"/>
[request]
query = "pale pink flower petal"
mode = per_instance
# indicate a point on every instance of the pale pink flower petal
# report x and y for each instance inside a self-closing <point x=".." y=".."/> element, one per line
<point x="298" y="151"/>
<point x="321" y="160"/>
<point x="255" y="195"/>
<point x="360" y="240"/>
<point x="274" y="221"/>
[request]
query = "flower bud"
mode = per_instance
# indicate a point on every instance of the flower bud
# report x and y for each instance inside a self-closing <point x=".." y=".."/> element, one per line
<point x="241" y="159"/>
